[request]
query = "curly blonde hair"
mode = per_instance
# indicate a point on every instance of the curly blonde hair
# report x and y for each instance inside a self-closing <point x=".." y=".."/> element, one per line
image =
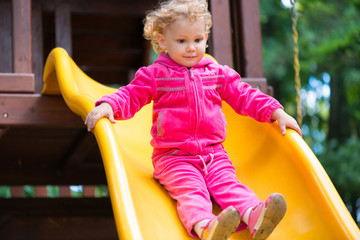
<point x="158" y="20"/>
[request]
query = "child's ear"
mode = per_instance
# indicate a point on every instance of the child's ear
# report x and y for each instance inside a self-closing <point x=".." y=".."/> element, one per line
<point x="161" y="41"/>
<point x="206" y="40"/>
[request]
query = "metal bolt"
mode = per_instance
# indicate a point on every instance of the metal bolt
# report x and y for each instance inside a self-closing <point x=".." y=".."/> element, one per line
<point x="5" y="115"/>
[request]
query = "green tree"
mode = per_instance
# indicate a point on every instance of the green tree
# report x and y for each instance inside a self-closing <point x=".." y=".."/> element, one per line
<point x="338" y="160"/>
<point x="329" y="42"/>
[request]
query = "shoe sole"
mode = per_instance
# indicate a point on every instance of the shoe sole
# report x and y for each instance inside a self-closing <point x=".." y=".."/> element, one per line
<point x="272" y="215"/>
<point x="228" y="224"/>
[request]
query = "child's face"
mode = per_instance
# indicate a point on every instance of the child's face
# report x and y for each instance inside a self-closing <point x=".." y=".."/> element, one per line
<point x="185" y="41"/>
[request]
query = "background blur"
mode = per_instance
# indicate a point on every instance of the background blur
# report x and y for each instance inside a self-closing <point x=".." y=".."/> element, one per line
<point x="329" y="49"/>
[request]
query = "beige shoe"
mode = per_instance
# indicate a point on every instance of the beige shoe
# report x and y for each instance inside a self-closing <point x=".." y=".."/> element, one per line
<point x="266" y="216"/>
<point x="222" y="226"/>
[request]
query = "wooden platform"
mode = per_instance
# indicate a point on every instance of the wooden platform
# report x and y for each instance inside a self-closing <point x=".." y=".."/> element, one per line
<point x="63" y="218"/>
<point x="42" y="142"/>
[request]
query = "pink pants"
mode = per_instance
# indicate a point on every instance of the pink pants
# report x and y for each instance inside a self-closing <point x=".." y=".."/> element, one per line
<point x="193" y="180"/>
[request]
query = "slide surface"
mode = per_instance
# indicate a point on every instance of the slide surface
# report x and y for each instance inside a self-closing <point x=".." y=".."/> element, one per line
<point x="265" y="160"/>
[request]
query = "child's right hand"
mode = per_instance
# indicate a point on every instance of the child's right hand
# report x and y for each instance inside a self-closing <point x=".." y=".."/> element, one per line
<point x="103" y="110"/>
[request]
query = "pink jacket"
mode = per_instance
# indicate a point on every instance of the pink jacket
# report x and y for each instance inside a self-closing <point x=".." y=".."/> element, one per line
<point x="187" y="109"/>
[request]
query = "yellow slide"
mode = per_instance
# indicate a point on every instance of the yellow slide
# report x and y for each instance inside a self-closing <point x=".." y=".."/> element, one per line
<point x="265" y="160"/>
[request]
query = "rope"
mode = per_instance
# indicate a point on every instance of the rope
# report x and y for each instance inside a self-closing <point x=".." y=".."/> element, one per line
<point x="295" y="37"/>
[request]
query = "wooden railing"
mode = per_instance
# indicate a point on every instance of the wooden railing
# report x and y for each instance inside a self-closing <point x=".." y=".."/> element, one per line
<point x="43" y="191"/>
<point x="16" y="75"/>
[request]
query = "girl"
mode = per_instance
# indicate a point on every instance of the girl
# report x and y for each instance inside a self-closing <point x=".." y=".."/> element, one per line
<point x="189" y="126"/>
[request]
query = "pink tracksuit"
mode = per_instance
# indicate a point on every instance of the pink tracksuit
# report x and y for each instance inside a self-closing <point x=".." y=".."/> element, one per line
<point x="189" y="128"/>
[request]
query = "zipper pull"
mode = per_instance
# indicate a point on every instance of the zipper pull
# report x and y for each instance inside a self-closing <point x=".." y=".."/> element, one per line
<point x="191" y="75"/>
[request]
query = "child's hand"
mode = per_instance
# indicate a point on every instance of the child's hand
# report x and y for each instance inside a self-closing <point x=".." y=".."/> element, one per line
<point x="103" y="110"/>
<point x="285" y="120"/>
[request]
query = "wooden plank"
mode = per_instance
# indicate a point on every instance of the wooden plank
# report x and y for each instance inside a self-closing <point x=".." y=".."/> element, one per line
<point x="17" y="83"/>
<point x="107" y="75"/>
<point x="57" y="218"/>
<point x="56" y="206"/>
<point x="41" y="147"/>
<point x="3" y="131"/>
<point x="40" y="160"/>
<point x="17" y="191"/>
<point x="22" y="47"/>
<point x="101" y="58"/>
<point x="124" y="8"/>
<point x="41" y="192"/>
<point x="147" y="52"/>
<point x="36" y="110"/>
<point x="107" y="24"/>
<point x="24" y="227"/>
<point x="251" y="39"/>
<point x="221" y="32"/>
<point x="88" y="191"/>
<point x="78" y="151"/>
<point x="41" y="176"/>
<point x="5" y="36"/>
<point x="37" y="44"/>
<point x="63" y="27"/>
<point x="237" y="38"/>
<point x="64" y="191"/>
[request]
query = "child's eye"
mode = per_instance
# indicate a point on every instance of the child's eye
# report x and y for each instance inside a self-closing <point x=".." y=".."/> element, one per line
<point x="181" y="41"/>
<point x="198" y="40"/>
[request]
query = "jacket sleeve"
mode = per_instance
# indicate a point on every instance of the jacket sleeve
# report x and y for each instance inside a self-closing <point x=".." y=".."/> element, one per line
<point x="246" y="100"/>
<point x="129" y="99"/>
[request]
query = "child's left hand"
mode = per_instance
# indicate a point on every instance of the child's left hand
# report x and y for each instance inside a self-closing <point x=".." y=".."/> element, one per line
<point x="285" y="120"/>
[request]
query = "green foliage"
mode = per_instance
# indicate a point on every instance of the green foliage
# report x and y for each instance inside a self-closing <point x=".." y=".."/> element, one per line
<point x="53" y="191"/>
<point x="341" y="162"/>
<point x="29" y="191"/>
<point x="76" y="191"/>
<point x="277" y="51"/>
<point x="329" y="43"/>
<point x="5" y="192"/>
<point x="101" y="191"/>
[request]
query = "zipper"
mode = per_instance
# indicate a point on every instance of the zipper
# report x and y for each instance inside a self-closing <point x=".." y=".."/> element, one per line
<point x="197" y="109"/>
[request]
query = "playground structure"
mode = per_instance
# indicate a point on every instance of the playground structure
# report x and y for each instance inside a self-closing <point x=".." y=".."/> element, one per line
<point x="59" y="151"/>
<point x="265" y="160"/>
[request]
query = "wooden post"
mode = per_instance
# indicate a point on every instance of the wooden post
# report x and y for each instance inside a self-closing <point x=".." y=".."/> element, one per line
<point x="5" y="37"/>
<point x="221" y="32"/>
<point x="22" y="78"/>
<point x="22" y="47"/>
<point x="251" y="37"/>
<point x="63" y="27"/>
<point x="38" y="53"/>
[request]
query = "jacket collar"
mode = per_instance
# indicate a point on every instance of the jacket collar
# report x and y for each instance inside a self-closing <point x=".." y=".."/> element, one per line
<point x="165" y="60"/>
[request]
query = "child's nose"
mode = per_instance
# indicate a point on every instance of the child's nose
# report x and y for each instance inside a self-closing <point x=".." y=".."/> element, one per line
<point x="191" y="48"/>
